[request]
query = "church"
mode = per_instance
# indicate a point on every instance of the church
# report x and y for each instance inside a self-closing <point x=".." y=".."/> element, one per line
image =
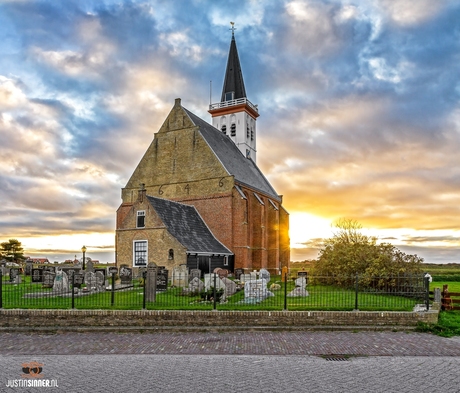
<point x="197" y="197"/>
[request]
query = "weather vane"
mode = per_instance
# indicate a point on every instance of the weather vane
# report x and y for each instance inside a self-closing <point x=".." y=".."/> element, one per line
<point x="233" y="28"/>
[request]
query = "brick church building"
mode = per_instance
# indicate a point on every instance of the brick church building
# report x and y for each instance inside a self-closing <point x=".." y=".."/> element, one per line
<point x="197" y="196"/>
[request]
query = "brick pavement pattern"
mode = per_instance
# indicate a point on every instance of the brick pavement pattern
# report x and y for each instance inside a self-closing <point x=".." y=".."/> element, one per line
<point x="230" y="343"/>
<point x="235" y="362"/>
<point x="236" y="373"/>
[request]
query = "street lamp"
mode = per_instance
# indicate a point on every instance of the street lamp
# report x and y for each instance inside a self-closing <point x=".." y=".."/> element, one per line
<point x="83" y="250"/>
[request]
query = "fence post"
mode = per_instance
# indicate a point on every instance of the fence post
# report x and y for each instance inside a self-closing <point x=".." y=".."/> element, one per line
<point x="144" y="275"/>
<point x="285" y="291"/>
<point x="113" y="288"/>
<point x="356" y="291"/>
<point x="214" y="294"/>
<point x="427" y="292"/>
<point x="1" y="288"/>
<point x="73" y="290"/>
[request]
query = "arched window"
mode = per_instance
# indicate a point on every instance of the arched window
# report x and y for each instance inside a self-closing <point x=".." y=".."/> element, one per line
<point x="171" y="254"/>
<point x="224" y="129"/>
<point x="233" y="129"/>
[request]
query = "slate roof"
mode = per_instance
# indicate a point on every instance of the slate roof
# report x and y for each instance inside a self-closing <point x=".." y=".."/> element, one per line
<point x="244" y="169"/>
<point x="233" y="75"/>
<point x="186" y="225"/>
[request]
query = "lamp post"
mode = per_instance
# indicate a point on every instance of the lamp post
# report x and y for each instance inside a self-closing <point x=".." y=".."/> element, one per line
<point x="83" y="250"/>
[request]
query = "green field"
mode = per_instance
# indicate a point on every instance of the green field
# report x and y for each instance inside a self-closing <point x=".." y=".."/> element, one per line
<point x="321" y="297"/>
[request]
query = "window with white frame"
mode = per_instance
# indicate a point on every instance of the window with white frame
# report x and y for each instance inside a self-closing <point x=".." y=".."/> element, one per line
<point x="140" y="219"/>
<point x="140" y="253"/>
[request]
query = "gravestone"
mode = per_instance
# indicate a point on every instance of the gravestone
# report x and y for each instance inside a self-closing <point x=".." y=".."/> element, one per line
<point x="101" y="270"/>
<point x="37" y="275"/>
<point x="195" y="285"/>
<point x="141" y="271"/>
<point x="14" y="275"/>
<point x="248" y="277"/>
<point x="194" y="273"/>
<point x="89" y="266"/>
<point x="5" y="270"/>
<point x="299" y="290"/>
<point x="126" y="274"/>
<point x="61" y="282"/>
<point x="151" y="282"/>
<point x="78" y="280"/>
<point x="48" y="278"/>
<point x="209" y="281"/>
<point x="162" y="279"/>
<point x="302" y="274"/>
<point x="100" y="280"/>
<point x="238" y="273"/>
<point x="284" y="272"/>
<point x="264" y="274"/>
<point x="301" y="282"/>
<point x="256" y="291"/>
<point x="28" y="268"/>
<point x="112" y="269"/>
<point x="230" y="286"/>
<point x="180" y="276"/>
<point x="222" y="273"/>
<point x="90" y="281"/>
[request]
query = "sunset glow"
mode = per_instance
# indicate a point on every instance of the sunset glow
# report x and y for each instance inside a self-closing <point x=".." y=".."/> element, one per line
<point x="359" y="105"/>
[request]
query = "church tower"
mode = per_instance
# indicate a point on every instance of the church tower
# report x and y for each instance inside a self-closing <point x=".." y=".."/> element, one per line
<point x="235" y="115"/>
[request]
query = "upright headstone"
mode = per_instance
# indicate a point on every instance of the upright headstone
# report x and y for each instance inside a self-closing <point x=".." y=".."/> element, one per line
<point x="256" y="290"/>
<point x="100" y="280"/>
<point x="112" y="269"/>
<point x="89" y="266"/>
<point x="194" y="273"/>
<point x="14" y="275"/>
<point x="247" y="277"/>
<point x="299" y="290"/>
<point x="238" y="273"/>
<point x="126" y="274"/>
<point x="28" y="268"/>
<point x="90" y="281"/>
<point x="180" y="276"/>
<point x="37" y="275"/>
<point x="230" y="286"/>
<point x="151" y="282"/>
<point x="162" y="279"/>
<point x="78" y="280"/>
<point x="284" y="272"/>
<point x="61" y="282"/>
<point x="264" y="274"/>
<point x="195" y="286"/>
<point x="212" y="279"/>
<point x="222" y="273"/>
<point x="48" y="278"/>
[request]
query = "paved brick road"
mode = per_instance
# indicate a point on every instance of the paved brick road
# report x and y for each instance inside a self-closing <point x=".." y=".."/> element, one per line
<point x="235" y="362"/>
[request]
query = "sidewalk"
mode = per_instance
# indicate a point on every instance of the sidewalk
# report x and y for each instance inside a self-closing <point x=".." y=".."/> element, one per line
<point x="230" y="343"/>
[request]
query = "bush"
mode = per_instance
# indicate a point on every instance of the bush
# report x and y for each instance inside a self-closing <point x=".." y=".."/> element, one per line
<point x="349" y="253"/>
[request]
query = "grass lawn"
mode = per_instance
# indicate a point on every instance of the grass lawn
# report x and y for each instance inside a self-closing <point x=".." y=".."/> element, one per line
<point x="321" y="297"/>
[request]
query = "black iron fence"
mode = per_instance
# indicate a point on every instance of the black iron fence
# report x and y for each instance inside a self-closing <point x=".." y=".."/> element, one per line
<point x="359" y="292"/>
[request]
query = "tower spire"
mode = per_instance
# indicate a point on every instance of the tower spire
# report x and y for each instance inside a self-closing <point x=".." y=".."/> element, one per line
<point x="233" y="87"/>
<point x="235" y="115"/>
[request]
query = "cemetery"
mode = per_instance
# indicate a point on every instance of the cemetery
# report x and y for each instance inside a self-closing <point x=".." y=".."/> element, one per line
<point x="154" y="287"/>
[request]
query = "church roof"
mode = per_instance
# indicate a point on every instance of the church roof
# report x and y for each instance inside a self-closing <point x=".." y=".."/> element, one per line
<point x="186" y="225"/>
<point x="244" y="169"/>
<point x="233" y="81"/>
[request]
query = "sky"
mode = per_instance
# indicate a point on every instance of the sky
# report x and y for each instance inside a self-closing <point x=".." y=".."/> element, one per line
<point x="359" y="104"/>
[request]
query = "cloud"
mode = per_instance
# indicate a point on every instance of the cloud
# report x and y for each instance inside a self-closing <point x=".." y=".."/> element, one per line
<point x="359" y="103"/>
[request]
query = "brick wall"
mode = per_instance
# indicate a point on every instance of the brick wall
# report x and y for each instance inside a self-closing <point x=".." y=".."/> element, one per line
<point x="143" y="318"/>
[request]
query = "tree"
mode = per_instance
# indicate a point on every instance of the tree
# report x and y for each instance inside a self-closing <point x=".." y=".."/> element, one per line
<point x="12" y="250"/>
<point x="348" y="252"/>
